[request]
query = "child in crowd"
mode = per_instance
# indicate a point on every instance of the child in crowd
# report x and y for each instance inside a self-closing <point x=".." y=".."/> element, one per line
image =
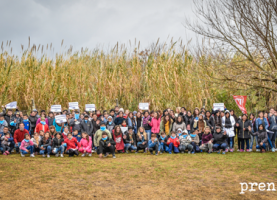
<point x="142" y="140"/>
<point x="85" y="145"/>
<point x="129" y="139"/>
<point x="72" y="145"/>
<point x="26" y="146"/>
<point x="106" y="145"/>
<point x="26" y="122"/>
<point x="195" y="141"/>
<point x="6" y="143"/>
<point x="45" y="145"/>
<point x="57" y="146"/>
<point x="220" y="140"/>
<point x="36" y="140"/>
<point x="185" y="141"/>
<point x="173" y="143"/>
<point x="153" y="144"/>
<point x="110" y="124"/>
<point x="179" y="132"/>
<point x="77" y="135"/>
<point x="207" y="144"/>
<point x="163" y="143"/>
<point x="65" y="132"/>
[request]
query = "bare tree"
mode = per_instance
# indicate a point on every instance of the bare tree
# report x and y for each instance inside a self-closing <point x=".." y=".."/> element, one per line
<point x="242" y="37"/>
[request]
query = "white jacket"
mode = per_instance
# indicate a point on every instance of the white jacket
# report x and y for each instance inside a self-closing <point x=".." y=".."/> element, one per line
<point x="232" y="119"/>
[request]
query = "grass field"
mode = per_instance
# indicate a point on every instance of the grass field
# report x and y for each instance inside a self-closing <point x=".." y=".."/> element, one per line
<point x="137" y="176"/>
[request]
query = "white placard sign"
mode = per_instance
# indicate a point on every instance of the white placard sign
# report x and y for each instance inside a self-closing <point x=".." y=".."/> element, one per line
<point x="11" y="105"/>
<point x="60" y="118"/>
<point x="90" y="107"/>
<point x="218" y="106"/>
<point x="56" y="108"/>
<point x="73" y="105"/>
<point x="144" y="106"/>
<point x="124" y="129"/>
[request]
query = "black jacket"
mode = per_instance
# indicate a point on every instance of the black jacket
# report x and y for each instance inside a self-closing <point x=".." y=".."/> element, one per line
<point x="57" y="143"/>
<point x="186" y="119"/>
<point x="219" y="138"/>
<point x="95" y="127"/>
<point x="104" y="144"/>
<point x="128" y="139"/>
<point x="50" y="121"/>
<point x="119" y="120"/>
<point x="87" y="127"/>
<point x="244" y="134"/>
<point x="210" y="122"/>
<point x="75" y="125"/>
<point x="47" y="143"/>
<point x="33" y="121"/>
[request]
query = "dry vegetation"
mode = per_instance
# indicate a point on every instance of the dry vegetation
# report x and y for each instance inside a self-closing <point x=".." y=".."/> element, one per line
<point x="140" y="176"/>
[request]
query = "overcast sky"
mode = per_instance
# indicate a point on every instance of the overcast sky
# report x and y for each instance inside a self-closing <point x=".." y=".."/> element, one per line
<point x="92" y="23"/>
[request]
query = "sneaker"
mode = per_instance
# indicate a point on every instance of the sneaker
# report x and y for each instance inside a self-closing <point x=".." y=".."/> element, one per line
<point x="83" y="155"/>
<point x="223" y="152"/>
<point x="13" y="150"/>
<point x="5" y="154"/>
<point x="32" y="155"/>
<point x="170" y="152"/>
<point x="238" y="150"/>
<point x="114" y="156"/>
<point x="126" y="152"/>
<point x="43" y="155"/>
<point x="258" y="150"/>
<point x="241" y="150"/>
<point x="250" y="150"/>
<point x="247" y="150"/>
<point x="89" y="154"/>
<point x="220" y="151"/>
<point x="92" y="151"/>
<point x="151" y="153"/>
<point x="48" y="156"/>
<point x="57" y="155"/>
<point x="263" y="151"/>
<point x="105" y="156"/>
<point x="189" y="152"/>
<point x="226" y="150"/>
<point x="22" y="155"/>
<point x="156" y="154"/>
<point x="273" y="150"/>
<point x="62" y="155"/>
<point x="231" y="150"/>
<point x="161" y="152"/>
<point x="193" y="152"/>
<point x="209" y="152"/>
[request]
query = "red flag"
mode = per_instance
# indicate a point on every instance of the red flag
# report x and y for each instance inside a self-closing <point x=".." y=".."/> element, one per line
<point x="241" y="100"/>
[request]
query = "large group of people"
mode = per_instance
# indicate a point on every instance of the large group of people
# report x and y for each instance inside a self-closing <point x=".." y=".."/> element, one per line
<point x="122" y="131"/>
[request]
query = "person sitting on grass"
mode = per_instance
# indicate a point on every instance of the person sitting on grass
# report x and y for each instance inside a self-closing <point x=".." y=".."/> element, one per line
<point x="85" y="145"/>
<point x="98" y="135"/>
<point x="262" y="137"/>
<point x="173" y="143"/>
<point x="36" y="140"/>
<point x="129" y="139"/>
<point x="142" y="142"/>
<point x="72" y="145"/>
<point x="106" y="144"/>
<point x="57" y="146"/>
<point x="77" y="135"/>
<point x="118" y="138"/>
<point x="220" y="140"/>
<point x="45" y="145"/>
<point x="153" y="144"/>
<point x="185" y="141"/>
<point x="26" y="146"/>
<point x="163" y="143"/>
<point x="6" y="143"/>
<point x="179" y="132"/>
<point x="207" y="143"/>
<point x="195" y="141"/>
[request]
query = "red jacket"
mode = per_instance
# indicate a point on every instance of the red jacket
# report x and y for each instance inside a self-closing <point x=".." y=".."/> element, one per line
<point x="40" y="127"/>
<point x="175" y="141"/>
<point x="19" y="135"/>
<point x="71" y="144"/>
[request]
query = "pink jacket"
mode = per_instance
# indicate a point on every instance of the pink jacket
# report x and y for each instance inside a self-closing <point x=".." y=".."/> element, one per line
<point x="46" y="121"/>
<point x="85" y="144"/>
<point x="25" y="144"/>
<point x="155" y="124"/>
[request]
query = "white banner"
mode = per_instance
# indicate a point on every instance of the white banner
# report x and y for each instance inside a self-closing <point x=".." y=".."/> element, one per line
<point x="218" y="106"/>
<point x="60" y="118"/>
<point x="144" y="106"/>
<point x="73" y="105"/>
<point x="90" y="107"/>
<point x="11" y="105"/>
<point x="124" y="129"/>
<point x="56" y="108"/>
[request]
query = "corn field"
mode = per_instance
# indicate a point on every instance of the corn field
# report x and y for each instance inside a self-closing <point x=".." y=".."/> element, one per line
<point x="164" y="75"/>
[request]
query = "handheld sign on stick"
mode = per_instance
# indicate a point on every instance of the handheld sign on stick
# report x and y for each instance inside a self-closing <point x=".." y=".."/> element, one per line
<point x="124" y="129"/>
<point x="218" y="106"/>
<point x="60" y="118"/>
<point x="56" y="108"/>
<point x="73" y="105"/>
<point x="11" y="105"/>
<point x="144" y="106"/>
<point x="90" y="107"/>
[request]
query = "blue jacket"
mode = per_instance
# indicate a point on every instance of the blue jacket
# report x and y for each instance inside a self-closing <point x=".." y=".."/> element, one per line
<point x="78" y="137"/>
<point x="26" y="125"/>
<point x="259" y="122"/>
<point x="10" y="139"/>
<point x="152" y="144"/>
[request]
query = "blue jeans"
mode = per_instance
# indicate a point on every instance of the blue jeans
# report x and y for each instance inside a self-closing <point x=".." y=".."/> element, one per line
<point x="17" y="148"/>
<point x="129" y="146"/>
<point x="231" y="142"/>
<point x="272" y="137"/>
<point x="252" y="140"/>
<point x="242" y="141"/>
<point x="172" y="147"/>
<point x="222" y="146"/>
<point x="148" y="134"/>
<point x="163" y="147"/>
<point x="59" y="149"/>
<point x="48" y="150"/>
<point x="269" y="140"/>
<point x="261" y="147"/>
<point x="30" y="149"/>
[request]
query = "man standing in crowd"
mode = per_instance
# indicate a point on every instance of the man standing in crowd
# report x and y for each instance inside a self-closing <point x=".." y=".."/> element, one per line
<point x="33" y="120"/>
<point x="19" y="136"/>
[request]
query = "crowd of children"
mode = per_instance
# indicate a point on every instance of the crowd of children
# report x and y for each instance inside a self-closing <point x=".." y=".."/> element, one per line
<point x="156" y="131"/>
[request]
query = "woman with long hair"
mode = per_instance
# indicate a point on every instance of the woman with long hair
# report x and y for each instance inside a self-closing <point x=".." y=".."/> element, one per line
<point x="166" y="125"/>
<point x="142" y="140"/>
<point x="155" y="124"/>
<point x="118" y="138"/>
<point x="252" y="119"/>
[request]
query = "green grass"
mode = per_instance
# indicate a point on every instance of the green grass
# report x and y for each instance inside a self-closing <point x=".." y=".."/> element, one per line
<point x="137" y="176"/>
